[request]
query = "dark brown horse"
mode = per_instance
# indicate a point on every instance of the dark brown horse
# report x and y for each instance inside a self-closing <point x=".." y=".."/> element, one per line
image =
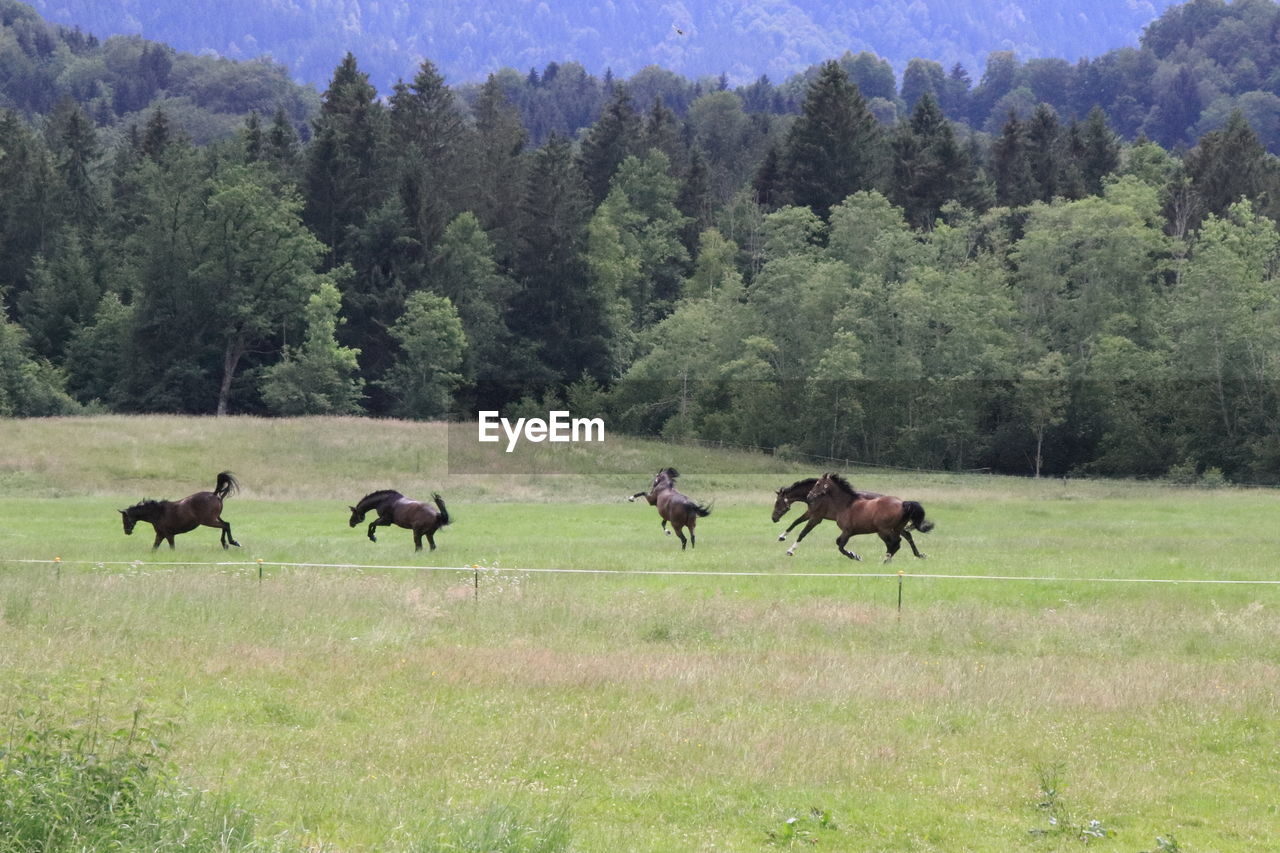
<point x="169" y="518"/>
<point x="394" y="508"/>
<point x="799" y="491"/>
<point x="674" y="507"/>
<point x="856" y="512"/>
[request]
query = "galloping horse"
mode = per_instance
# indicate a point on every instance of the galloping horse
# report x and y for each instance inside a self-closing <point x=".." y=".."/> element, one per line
<point x="394" y="508"/>
<point x="170" y="518"/>
<point x="799" y="491"/>
<point x="674" y="507"/>
<point x="855" y="513"/>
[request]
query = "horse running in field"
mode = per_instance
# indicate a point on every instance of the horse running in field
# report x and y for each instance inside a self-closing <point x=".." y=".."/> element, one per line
<point x="169" y="518"/>
<point x="394" y="508"/>
<point x="674" y="507"/>
<point x="855" y="512"/>
<point x="799" y="491"/>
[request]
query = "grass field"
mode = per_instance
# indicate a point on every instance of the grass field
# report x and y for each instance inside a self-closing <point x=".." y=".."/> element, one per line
<point x="759" y="702"/>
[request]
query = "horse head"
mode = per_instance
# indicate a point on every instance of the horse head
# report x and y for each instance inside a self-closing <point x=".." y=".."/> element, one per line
<point x="781" y="503"/>
<point x="130" y="521"/>
<point x="823" y="487"/>
<point x="356" y="516"/>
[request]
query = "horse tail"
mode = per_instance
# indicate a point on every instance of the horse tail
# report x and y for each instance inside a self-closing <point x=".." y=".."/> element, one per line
<point x="700" y="510"/>
<point x="915" y="516"/>
<point x="227" y="484"/>
<point x="444" y="513"/>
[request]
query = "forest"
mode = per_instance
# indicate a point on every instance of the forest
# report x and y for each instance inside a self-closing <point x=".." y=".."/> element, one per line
<point x="1062" y="269"/>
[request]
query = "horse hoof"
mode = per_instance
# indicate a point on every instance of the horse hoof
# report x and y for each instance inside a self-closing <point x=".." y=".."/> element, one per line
<point x="668" y="532"/>
<point x="782" y="538"/>
<point x="791" y="552"/>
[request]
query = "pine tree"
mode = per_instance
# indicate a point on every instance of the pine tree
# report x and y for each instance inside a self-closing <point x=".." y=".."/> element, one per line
<point x="1010" y="167"/>
<point x="1101" y="155"/>
<point x="614" y="137"/>
<point x="557" y="310"/>
<point x="344" y="180"/>
<point x="834" y="148"/>
<point x="499" y="165"/>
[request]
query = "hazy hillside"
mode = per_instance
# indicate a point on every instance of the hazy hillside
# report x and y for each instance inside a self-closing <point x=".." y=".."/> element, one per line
<point x="743" y="39"/>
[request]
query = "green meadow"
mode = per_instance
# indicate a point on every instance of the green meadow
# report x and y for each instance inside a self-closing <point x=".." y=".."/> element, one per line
<point x="316" y="691"/>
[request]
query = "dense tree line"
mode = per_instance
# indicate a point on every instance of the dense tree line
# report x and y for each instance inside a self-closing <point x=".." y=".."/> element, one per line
<point x="1047" y="297"/>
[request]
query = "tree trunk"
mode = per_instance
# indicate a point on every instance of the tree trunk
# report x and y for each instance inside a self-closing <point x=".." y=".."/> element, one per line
<point x="230" y="361"/>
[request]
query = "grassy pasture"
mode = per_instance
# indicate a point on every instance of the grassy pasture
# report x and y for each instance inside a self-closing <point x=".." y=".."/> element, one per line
<point x="350" y="709"/>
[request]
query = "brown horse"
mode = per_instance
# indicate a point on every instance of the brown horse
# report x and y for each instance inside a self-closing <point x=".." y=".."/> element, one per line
<point x="856" y="512"/>
<point x="674" y="507"/>
<point x="799" y="491"/>
<point x="394" y="508"/>
<point x="170" y="518"/>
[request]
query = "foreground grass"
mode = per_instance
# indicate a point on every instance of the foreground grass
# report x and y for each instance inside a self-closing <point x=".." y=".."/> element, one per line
<point x="356" y="709"/>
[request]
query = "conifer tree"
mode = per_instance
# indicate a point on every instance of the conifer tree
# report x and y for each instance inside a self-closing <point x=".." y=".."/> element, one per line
<point x="614" y="137"/>
<point x="557" y="310"/>
<point x="343" y="180"/>
<point x="834" y="149"/>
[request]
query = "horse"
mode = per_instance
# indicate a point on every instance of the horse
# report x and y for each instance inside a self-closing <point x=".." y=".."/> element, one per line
<point x="799" y="491"/>
<point x="855" y="512"/>
<point x="674" y="507"/>
<point x="170" y="518"/>
<point x="394" y="508"/>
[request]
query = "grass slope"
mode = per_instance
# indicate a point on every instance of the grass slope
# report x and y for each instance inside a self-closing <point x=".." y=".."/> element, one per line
<point x="766" y="707"/>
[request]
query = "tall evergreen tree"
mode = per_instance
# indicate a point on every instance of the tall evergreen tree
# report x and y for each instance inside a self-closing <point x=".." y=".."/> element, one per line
<point x="428" y="137"/>
<point x="344" y="178"/>
<point x="834" y="149"/>
<point x="613" y="138"/>
<point x="499" y="167"/>
<point x="1010" y="166"/>
<point x="930" y="168"/>
<point x="557" y="310"/>
<point x="1228" y="165"/>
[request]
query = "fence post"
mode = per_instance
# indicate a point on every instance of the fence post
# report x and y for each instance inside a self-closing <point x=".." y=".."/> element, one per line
<point x="476" y="568"/>
<point x="259" y="570"/>
<point x="900" y="574"/>
<point x="57" y="568"/>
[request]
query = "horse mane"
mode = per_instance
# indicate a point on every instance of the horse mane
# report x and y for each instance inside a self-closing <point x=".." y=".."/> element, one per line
<point x="381" y="493"/>
<point x="805" y="485"/>
<point x="145" y="507"/>
<point x="844" y="485"/>
<point x="670" y="472"/>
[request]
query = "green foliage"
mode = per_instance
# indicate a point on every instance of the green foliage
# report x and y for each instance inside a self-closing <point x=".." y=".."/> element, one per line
<point x="317" y="378"/>
<point x="84" y="786"/>
<point x="432" y="347"/>
<point x="29" y="387"/>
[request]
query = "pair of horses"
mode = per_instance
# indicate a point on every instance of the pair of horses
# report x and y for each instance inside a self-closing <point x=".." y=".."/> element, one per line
<point x="832" y="497"/>
<point x="827" y="497"/>
<point x="170" y="518"/>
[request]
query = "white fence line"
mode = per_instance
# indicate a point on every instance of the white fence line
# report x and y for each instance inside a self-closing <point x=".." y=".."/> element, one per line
<point x="260" y="564"/>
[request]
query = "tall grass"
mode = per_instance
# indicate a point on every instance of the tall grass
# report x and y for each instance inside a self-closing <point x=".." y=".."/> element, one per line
<point x="75" y="785"/>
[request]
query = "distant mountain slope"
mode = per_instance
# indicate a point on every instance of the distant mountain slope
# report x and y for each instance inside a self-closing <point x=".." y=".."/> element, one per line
<point x="744" y="39"/>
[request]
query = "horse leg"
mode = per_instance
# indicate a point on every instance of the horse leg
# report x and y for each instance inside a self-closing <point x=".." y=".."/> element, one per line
<point x="804" y="516"/>
<point x="417" y="540"/>
<point x="372" y="525"/>
<point x="226" y="534"/>
<point x="893" y="542"/>
<point x="159" y="539"/>
<point x="906" y="534"/>
<point x="664" y="527"/>
<point x="680" y="534"/>
<point x="813" y="522"/>
<point x="841" y="541"/>
<point x="431" y="540"/>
